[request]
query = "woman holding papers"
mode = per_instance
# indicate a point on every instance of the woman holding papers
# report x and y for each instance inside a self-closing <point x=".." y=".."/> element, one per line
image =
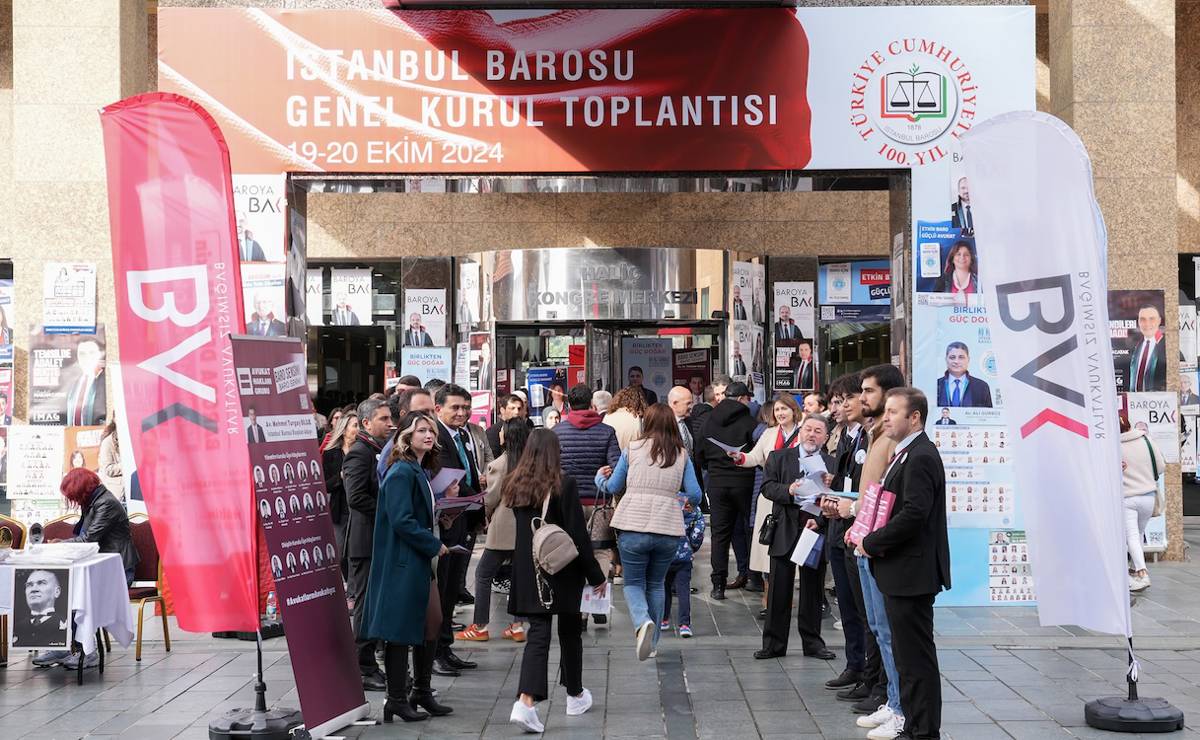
<point x="402" y="607"/>
<point x="792" y="475"/>
<point x="501" y="534"/>
<point x="649" y="519"/>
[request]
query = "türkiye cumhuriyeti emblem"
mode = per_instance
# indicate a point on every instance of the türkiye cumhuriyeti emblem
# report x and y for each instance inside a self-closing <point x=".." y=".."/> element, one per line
<point x="913" y="95"/>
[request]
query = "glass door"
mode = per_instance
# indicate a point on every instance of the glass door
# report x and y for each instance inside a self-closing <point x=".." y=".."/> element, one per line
<point x="599" y="372"/>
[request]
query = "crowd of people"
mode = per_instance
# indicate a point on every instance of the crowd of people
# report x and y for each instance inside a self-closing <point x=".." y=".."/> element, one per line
<point x="613" y="491"/>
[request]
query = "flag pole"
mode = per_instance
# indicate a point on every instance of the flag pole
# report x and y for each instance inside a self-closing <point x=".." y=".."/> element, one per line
<point x="1131" y="713"/>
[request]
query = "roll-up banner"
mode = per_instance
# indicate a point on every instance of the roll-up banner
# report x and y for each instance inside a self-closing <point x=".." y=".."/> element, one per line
<point x="1047" y="293"/>
<point x="178" y="296"/>
<point x="290" y="498"/>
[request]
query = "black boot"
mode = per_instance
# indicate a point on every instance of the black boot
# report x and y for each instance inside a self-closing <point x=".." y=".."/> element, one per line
<point x="422" y="694"/>
<point x="395" y="660"/>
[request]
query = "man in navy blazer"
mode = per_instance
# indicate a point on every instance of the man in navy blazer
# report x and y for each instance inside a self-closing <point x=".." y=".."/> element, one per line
<point x="958" y="387"/>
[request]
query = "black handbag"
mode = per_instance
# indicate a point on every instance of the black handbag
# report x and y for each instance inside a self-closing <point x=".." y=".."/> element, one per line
<point x="766" y="535"/>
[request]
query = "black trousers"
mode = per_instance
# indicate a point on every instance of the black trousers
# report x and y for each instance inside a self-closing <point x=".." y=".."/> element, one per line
<point x="356" y="587"/>
<point x="730" y="511"/>
<point x="853" y="622"/>
<point x="911" y="620"/>
<point x="779" y="606"/>
<point x="451" y="570"/>
<point x="534" y="678"/>
<point x="873" y="673"/>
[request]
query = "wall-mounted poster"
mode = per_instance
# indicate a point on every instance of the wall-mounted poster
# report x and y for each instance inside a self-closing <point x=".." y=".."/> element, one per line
<point x="758" y="293"/>
<point x="742" y="288"/>
<point x="425" y="317"/>
<point x="81" y="448"/>
<point x="1187" y="444"/>
<point x="41" y="608"/>
<point x="647" y="362"/>
<point x="861" y="283"/>
<point x="8" y="318"/>
<point x="350" y="297"/>
<point x="483" y="367"/>
<point x="1155" y="414"/>
<point x="314" y="302"/>
<point x="67" y="379"/>
<point x="1187" y="333"/>
<point x="692" y="368"/>
<point x="1135" y="320"/>
<point x="263" y="294"/>
<point x="948" y="265"/>
<point x="794" y="324"/>
<point x="1010" y="572"/>
<point x="260" y="206"/>
<point x="427" y="363"/>
<point x="69" y="298"/>
<point x="1189" y="399"/>
<point x="468" y="293"/>
<point x="35" y="464"/>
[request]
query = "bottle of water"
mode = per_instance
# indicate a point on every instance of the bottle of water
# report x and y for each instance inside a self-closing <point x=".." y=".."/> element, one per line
<point x="272" y="608"/>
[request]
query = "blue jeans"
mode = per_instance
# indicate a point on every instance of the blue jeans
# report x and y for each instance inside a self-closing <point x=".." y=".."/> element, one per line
<point x="679" y="583"/>
<point x="645" y="558"/>
<point x="878" y="622"/>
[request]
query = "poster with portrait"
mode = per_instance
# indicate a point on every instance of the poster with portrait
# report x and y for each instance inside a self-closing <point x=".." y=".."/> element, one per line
<point x="740" y="348"/>
<point x="1135" y="320"/>
<point x="314" y="296"/>
<point x="67" y="379"/>
<point x="424" y="317"/>
<point x="1189" y="390"/>
<point x="758" y="294"/>
<point x="35" y="462"/>
<point x="692" y="368"/>
<point x="794" y="323"/>
<point x="742" y="290"/>
<point x="41" y="608"/>
<point x="467" y="306"/>
<point x="1187" y="444"/>
<point x="955" y="366"/>
<point x="260" y="208"/>
<point x="350" y="297"/>
<point x="948" y="265"/>
<point x="427" y="363"/>
<point x="1157" y="415"/>
<point x="647" y="362"/>
<point x="1187" y="333"/>
<point x="482" y="362"/>
<point x="69" y="297"/>
<point x="81" y="448"/>
<point x="1010" y="570"/>
<point x="263" y="294"/>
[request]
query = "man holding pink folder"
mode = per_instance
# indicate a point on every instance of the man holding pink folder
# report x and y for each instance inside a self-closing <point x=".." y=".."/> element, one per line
<point x="910" y="558"/>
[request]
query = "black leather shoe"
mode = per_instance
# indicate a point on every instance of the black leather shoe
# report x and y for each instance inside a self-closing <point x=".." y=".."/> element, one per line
<point x="762" y="613"/>
<point x="869" y="704"/>
<point x="403" y="710"/>
<point x="858" y="692"/>
<point x="754" y="584"/>
<point x="466" y="598"/>
<point x="718" y="593"/>
<point x="848" y="679"/>
<point x="443" y="668"/>
<point x="765" y="654"/>
<point x="821" y="654"/>
<point x="425" y="700"/>
<point x="600" y="618"/>
<point x="457" y="662"/>
<point x="374" y="682"/>
<point x="736" y="583"/>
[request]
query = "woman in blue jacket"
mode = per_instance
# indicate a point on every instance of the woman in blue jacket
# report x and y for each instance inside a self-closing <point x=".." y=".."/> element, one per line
<point x="398" y="607"/>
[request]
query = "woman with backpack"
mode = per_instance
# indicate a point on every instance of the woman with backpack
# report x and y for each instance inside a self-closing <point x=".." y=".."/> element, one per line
<point x="549" y="572"/>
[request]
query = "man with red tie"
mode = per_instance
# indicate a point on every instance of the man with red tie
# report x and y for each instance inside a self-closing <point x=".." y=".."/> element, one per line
<point x="86" y="401"/>
<point x="1148" y="357"/>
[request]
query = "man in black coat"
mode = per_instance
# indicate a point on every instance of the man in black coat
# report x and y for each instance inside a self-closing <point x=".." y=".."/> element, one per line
<point x="910" y="558"/>
<point x="362" y="495"/>
<point x="781" y="485"/>
<point x="453" y="407"/>
<point x="729" y="486"/>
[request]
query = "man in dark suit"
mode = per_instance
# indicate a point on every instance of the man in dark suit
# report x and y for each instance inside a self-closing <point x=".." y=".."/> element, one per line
<point x="945" y="420"/>
<point x="958" y="388"/>
<point x="635" y="376"/>
<point x="343" y="315"/>
<point x="263" y="322"/>
<point x="86" y="400"/>
<point x="254" y="430"/>
<point x="960" y="210"/>
<point x="805" y="376"/>
<point x="739" y="308"/>
<point x="739" y="364"/>
<point x="457" y="450"/>
<point x="910" y="558"/>
<point x="786" y="331"/>
<point x="1148" y="353"/>
<point x="362" y="496"/>
<point x="781" y="485"/>
<point x="415" y="335"/>
<point x="250" y="250"/>
<point x="510" y="407"/>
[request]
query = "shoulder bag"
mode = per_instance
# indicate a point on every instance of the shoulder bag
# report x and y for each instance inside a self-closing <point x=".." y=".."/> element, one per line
<point x="1159" y="503"/>
<point x="599" y="523"/>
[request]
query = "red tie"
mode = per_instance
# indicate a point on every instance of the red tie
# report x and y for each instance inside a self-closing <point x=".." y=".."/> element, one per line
<point x="1141" y="372"/>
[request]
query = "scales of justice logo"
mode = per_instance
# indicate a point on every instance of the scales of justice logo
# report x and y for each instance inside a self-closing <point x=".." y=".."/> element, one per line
<point x="916" y="105"/>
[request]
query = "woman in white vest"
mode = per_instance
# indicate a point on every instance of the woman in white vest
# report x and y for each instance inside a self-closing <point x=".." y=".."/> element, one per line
<point x="649" y="518"/>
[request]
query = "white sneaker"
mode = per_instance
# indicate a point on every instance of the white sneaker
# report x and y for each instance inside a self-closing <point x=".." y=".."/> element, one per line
<point x="91" y="661"/>
<point x="52" y="657"/>
<point x="1139" y="583"/>
<point x="577" y="705"/>
<point x="888" y="730"/>
<point x="526" y="717"/>
<point x="645" y="639"/>
<point x="874" y="719"/>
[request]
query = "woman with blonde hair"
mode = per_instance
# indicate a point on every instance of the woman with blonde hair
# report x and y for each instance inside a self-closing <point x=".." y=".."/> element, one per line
<point x="333" y="454"/>
<point x="625" y="415"/>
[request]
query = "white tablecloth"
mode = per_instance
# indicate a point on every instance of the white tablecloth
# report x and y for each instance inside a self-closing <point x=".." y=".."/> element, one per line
<point x="99" y="598"/>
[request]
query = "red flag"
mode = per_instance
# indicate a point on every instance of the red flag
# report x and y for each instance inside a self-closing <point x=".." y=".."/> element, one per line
<point x="178" y="295"/>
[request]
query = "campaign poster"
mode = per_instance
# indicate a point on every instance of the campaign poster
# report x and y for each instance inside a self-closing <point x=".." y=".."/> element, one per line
<point x="1187" y="333"/>
<point x="758" y="339"/>
<point x="1189" y="398"/>
<point x="758" y="293"/>
<point x="425" y="317"/>
<point x="67" y="379"/>
<point x="647" y="362"/>
<point x="263" y="294"/>
<point x="467" y="306"/>
<point x="481" y="408"/>
<point x="8" y="318"/>
<point x="1135" y="320"/>
<point x="482" y="362"/>
<point x="955" y="366"/>
<point x="541" y="382"/>
<point x="947" y="265"/>
<point x="1010" y="571"/>
<point x="979" y="489"/>
<point x="1157" y="415"/>
<point x="462" y="364"/>
<point x="350" y="297"/>
<point x="6" y="384"/>
<point x="859" y="291"/>
<point x="743" y="288"/>
<point x="81" y="448"/>
<point x="427" y="363"/>
<point x="260" y="207"/>
<point x="35" y="462"/>
<point x="69" y="298"/>
<point x="293" y="508"/>
<point x="1187" y="444"/>
<point x="794" y="324"/>
<point x="41" y="604"/>
<point x="314" y="292"/>
<point x="692" y="368"/>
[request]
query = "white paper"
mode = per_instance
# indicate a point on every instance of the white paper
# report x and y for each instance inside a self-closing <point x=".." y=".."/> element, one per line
<point x="446" y="478"/>
<point x="723" y="446"/>
<point x="69" y="297"/>
<point x="593" y="604"/>
<point x="808" y="539"/>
